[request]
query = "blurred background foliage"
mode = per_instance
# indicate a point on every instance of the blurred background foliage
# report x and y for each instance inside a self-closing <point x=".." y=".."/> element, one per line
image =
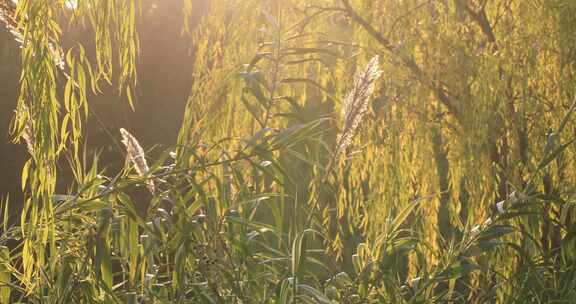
<point x="457" y="184"/>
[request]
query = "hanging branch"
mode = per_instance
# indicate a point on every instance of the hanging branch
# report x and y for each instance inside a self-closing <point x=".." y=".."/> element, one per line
<point x="481" y="19"/>
<point x="436" y="88"/>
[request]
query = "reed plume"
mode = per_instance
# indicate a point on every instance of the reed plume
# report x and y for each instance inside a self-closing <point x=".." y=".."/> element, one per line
<point x="136" y="156"/>
<point x="355" y="107"/>
<point x="29" y="138"/>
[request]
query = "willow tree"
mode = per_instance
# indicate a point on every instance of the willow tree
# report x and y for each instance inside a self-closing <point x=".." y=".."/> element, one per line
<point x="472" y="99"/>
<point x="52" y="105"/>
<point x="348" y="151"/>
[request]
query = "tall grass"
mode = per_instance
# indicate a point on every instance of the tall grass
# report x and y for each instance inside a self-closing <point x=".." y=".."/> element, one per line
<point x="425" y="190"/>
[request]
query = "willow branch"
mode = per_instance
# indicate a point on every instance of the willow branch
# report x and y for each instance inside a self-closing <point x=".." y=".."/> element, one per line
<point x="481" y="19"/>
<point x="439" y="91"/>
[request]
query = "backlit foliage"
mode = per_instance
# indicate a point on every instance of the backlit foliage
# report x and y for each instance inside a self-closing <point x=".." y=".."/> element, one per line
<point x="450" y="179"/>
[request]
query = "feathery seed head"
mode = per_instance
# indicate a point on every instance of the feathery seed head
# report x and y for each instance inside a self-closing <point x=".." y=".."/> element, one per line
<point x="356" y="102"/>
<point x="29" y="138"/>
<point x="500" y="207"/>
<point x="354" y="107"/>
<point x="136" y="156"/>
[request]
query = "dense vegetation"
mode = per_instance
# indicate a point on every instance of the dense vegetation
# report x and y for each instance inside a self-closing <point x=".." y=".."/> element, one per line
<point x="333" y="151"/>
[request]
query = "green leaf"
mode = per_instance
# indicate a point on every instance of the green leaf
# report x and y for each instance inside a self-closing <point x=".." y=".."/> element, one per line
<point x="5" y="275"/>
<point x="554" y="154"/>
<point x="495" y="232"/>
<point x="403" y="214"/>
<point x="298" y="254"/>
<point x="340" y="280"/>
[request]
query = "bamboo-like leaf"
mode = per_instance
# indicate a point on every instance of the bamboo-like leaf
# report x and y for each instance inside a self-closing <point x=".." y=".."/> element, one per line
<point x="553" y="154"/>
<point x="403" y="214"/>
<point x="5" y="274"/>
